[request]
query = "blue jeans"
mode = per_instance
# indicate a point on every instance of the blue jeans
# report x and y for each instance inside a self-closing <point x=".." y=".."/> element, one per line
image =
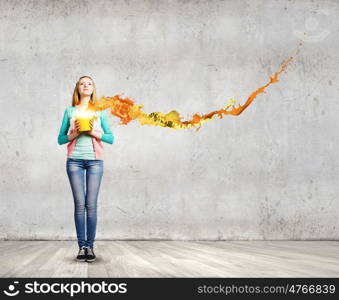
<point x="85" y="199"/>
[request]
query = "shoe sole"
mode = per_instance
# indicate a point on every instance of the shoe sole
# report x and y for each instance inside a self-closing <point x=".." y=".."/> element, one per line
<point x="91" y="260"/>
<point x="83" y="259"/>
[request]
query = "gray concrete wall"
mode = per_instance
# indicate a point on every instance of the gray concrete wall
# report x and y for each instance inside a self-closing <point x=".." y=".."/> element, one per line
<point x="270" y="173"/>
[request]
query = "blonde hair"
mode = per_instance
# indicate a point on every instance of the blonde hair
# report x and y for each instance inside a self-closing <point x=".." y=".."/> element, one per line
<point x="76" y="94"/>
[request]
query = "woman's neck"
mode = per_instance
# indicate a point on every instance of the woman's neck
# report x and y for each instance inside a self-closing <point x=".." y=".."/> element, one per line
<point x="83" y="104"/>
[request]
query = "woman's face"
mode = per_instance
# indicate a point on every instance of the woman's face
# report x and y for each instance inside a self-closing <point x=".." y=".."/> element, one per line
<point x="85" y="87"/>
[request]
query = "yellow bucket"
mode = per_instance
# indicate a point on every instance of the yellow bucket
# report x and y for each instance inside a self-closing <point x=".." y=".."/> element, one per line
<point x="84" y="123"/>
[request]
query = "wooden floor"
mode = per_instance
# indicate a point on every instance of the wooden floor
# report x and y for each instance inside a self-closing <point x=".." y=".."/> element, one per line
<point x="172" y="259"/>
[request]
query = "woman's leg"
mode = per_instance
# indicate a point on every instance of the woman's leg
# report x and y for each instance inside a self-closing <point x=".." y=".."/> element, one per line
<point x="95" y="169"/>
<point x="75" y="171"/>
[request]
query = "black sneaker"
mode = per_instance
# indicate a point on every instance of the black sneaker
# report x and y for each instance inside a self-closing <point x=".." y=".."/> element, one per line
<point x="82" y="254"/>
<point x="90" y="256"/>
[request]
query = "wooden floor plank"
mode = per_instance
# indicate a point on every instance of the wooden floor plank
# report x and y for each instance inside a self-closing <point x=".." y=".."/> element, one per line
<point x="116" y="259"/>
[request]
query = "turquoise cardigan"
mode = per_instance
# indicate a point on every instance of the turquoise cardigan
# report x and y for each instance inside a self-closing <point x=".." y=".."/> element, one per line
<point x="107" y="135"/>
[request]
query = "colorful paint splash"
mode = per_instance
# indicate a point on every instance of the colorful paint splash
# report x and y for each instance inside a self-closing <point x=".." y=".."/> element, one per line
<point x="127" y="110"/>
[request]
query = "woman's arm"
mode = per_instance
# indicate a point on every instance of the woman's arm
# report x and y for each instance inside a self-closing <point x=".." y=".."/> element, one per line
<point x="63" y="138"/>
<point x="107" y="136"/>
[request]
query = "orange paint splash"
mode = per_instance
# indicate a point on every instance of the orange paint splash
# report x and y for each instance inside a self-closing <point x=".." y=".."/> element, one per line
<point x="127" y="110"/>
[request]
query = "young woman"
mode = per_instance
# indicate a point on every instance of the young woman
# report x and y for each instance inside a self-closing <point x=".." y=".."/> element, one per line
<point x="85" y="161"/>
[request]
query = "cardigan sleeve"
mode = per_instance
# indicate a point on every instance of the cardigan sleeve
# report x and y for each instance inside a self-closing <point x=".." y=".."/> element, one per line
<point x="107" y="135"/>
<point x="63" y="138"/>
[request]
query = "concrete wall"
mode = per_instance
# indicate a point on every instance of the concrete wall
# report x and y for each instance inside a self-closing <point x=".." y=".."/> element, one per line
<point x="270" y="173"/>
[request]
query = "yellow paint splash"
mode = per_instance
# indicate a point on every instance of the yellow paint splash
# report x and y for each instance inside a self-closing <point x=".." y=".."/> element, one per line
<point x="127" y="110"/>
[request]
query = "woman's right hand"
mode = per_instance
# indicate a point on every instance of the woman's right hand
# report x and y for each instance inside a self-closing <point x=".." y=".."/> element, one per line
<point x="76" y="131"/>
<point x="77" y="126"/>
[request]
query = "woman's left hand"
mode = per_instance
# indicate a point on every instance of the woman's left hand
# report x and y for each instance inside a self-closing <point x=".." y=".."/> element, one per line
<point x="92" y="132"/>
<point x="91" y="125"/>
